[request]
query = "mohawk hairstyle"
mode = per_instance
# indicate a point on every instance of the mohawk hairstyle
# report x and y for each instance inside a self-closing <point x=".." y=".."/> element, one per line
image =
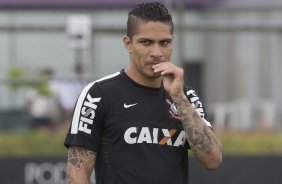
<point x="146" y="12"/>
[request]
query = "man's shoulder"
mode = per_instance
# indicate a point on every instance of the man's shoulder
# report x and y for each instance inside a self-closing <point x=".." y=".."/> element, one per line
<point x="191" y="94"/>
<point x="188" y="90"/>
<point x="112" y="79"/>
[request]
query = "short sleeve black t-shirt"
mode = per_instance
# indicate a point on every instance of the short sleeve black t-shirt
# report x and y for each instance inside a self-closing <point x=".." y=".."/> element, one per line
<point x="135" y="130"/>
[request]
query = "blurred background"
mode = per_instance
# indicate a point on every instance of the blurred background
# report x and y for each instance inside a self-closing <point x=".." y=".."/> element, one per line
<point x="231" y="51"/>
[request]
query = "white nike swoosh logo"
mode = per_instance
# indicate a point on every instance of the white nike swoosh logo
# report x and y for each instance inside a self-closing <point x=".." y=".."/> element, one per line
<point x="129" y="105"/>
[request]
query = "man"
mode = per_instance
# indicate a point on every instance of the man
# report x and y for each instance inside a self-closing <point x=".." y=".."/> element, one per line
<point x="70" y="90"/>
<point x="135" y="126"/>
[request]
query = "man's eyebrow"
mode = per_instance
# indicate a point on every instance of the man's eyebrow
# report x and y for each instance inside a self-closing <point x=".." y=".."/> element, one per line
<point x="166" y="39"/>
<point x="144" y="39"/>
<point x="148" y="39"/>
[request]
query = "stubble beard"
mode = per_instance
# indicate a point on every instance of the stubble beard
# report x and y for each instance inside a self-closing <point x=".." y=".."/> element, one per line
<point x="150" y="74"/>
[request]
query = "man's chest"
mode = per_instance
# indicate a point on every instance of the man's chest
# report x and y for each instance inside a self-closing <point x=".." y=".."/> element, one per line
<point x="144" y="120"/>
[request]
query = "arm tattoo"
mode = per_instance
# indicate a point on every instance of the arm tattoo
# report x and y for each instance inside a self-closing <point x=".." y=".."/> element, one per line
<point x="199" y="135"/>
<point x="81" y="162"/>
<point x="70" y="179"/>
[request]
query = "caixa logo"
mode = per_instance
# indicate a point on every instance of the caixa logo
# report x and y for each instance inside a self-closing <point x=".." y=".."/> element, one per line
<point x="47" y="173"/>
<point x="148" y="135"/>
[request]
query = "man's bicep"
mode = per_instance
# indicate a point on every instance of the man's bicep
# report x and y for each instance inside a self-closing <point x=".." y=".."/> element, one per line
<point x="81" y="162"/>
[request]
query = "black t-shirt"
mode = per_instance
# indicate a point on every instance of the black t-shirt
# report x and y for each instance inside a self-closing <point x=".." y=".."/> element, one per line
<point x="135" y="130"/>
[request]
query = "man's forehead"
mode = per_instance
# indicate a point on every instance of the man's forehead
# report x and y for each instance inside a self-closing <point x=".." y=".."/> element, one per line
<point x="153" y="29"/>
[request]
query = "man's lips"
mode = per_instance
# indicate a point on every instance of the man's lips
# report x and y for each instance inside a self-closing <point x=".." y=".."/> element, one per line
<point x="154" y="62"/>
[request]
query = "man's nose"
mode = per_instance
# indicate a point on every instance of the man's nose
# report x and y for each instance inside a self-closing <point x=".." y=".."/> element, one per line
<point x="156" y="51"/>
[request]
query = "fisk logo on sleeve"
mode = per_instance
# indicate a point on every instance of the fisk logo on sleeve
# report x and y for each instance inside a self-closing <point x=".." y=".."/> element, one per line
<point x="195" y="101"/>
<point x="86" y="115"/>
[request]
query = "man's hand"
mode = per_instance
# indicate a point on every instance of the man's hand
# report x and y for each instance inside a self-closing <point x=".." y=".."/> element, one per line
<point x="172" y="78"/>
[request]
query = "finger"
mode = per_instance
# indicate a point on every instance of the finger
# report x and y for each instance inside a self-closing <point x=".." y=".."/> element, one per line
<point x="168" y="71"/>
<point x="163" y="67"/>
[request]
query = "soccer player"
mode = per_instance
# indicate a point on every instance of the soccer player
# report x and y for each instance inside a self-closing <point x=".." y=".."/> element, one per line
<point x="136" y="126"/>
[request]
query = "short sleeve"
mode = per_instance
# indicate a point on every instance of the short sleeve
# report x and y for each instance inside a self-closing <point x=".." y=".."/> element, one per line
<point x="87" y="122"/>
<point x="196" y="102"/>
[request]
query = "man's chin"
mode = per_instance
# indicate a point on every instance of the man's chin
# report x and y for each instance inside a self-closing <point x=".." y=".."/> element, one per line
<point x="149" y="72"/>
<point x="155" y="75"/>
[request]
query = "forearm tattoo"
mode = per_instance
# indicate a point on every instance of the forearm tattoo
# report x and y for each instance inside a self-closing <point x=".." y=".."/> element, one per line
<point x="200" y="137"/>
<point x="81" y="162"/>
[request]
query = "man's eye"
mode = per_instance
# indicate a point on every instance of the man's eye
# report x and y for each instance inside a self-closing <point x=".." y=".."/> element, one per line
<point x="145" y="42"/>
<point x="164" y="43"/>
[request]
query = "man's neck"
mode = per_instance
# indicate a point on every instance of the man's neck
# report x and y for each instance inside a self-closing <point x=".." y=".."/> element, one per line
<point x="143" y="80"/>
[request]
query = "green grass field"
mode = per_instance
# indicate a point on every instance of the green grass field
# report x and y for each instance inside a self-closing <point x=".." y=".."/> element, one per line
<point x="41" y="143"/>
<point x="32" y="143"/>
<point x="251" y="143"/>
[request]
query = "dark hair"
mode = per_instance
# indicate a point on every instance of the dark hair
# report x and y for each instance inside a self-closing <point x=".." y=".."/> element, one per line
<point x="146" y="12"/>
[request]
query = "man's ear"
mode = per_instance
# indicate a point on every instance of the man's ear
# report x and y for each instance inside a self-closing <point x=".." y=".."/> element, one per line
<point x="127" y="43"/>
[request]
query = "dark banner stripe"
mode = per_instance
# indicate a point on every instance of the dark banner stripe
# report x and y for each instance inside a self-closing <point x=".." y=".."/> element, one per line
<point x="234" y="170"/>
